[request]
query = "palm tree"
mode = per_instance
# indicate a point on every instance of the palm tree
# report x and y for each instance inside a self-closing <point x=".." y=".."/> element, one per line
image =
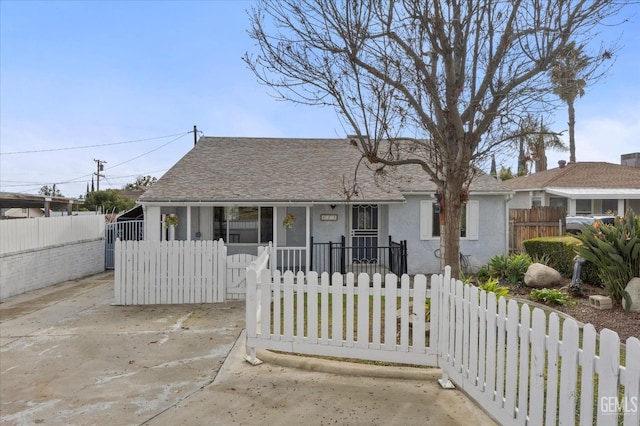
<point x="534" y="138"/>
<point x="569" y="80"/>
<point x="539" y="142"/>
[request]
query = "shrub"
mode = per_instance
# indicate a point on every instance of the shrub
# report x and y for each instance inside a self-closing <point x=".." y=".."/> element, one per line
<point x="498" y="266"/>
<point x="510" y="268"/>
<point x="590" y="274"/>
<point x="492" y="285"/>
<point x="518" y="265"/>
<point x="615" y="251"/>
<point x="483" y="273"/>
<point x="551" y="296"/>
<point x="559" y="251"/>
<point x="542" y="258"/>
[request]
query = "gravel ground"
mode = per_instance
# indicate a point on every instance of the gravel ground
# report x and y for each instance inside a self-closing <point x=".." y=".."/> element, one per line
<point x="626" y="325"/>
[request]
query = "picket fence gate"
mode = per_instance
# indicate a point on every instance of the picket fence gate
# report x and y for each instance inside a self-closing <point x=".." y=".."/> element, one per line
<point x="177" y="272"/>
<point x="521" y="367"/>
<point x="336" y="321"/>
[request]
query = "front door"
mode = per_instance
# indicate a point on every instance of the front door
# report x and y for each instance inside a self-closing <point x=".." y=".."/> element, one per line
<point x="364" y="234"/>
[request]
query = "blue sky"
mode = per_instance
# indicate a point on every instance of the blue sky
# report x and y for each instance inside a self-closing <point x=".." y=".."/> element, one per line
<point x="81" y="73"/>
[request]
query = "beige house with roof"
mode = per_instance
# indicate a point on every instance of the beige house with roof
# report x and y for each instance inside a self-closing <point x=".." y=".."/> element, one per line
<point x="296" y="194"/>
<point x="583" y="188"/>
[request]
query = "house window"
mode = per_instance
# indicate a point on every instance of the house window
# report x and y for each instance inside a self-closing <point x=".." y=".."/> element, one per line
<point x="435" y="221"/>
<point x="558" y="202"/>
<point x="536" y="202"/>
<point x="430" y="220"/>
<point x="609" y="206"/>
<point x="243" y="225"/>
<point x="583" y="206"/>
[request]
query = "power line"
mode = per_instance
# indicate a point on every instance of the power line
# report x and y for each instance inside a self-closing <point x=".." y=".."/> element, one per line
<point x="91" y="146"/>
<point x="75" y="180"/>
<point x="149" y="152"/>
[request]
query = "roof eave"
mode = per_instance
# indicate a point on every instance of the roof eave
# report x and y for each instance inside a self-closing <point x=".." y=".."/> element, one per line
<point x="590" y="193"/>
<point x="205" y="203"/>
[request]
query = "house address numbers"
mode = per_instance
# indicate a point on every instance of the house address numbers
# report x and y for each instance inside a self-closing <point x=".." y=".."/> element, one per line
<point x="328" y="217"/>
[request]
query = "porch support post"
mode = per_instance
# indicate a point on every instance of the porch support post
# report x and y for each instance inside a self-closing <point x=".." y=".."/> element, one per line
<point x="188" y="223"/>
<point x="621" y="210"/>
<point x="273" y="256"/>
<point x="307" y="252"/>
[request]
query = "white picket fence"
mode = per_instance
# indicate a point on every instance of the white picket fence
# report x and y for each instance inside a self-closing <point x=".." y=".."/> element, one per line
<point x="176" y="272"/>
<point x="520" y="367"/>
<point x="39" y="233"/>
<point x="517" y="364"/>
<point x="321" y="330"/>
<point x="169" y="272"/>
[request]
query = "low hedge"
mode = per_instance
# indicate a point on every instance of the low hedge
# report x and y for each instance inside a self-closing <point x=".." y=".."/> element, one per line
<point x="560" y="252"/>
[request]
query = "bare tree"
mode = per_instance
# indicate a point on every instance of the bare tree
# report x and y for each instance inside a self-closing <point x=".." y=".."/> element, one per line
<point x="439" y="84"/>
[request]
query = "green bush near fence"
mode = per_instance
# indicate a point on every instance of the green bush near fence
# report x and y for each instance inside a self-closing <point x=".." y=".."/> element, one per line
<point x="559" y="250"/>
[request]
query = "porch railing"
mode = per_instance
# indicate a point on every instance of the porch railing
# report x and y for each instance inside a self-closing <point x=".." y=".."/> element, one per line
<point x="289" y="259"/>
<point x="338" y="257"/>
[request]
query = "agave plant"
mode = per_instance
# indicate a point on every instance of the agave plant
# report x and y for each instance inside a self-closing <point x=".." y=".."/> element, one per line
<point x="509" y="268"/>
<point x="615" y="251"/>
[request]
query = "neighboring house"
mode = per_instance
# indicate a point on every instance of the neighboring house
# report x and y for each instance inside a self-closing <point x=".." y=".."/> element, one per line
<point x="245" y="190"/>
<point x="22" y="213"/>
<point x="587" y="188"/>
<point x="27" y="205"/>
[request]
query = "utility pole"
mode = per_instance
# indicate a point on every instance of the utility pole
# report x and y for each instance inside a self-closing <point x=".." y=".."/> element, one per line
<point x="100" y="168"/>
<point x="195" y="135"/>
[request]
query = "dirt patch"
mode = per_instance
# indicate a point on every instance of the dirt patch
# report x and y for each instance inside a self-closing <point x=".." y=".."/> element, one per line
<point x="626" y="325"/>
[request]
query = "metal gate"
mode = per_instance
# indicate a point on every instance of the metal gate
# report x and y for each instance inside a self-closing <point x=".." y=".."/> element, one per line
<point x="126" y="230"/>
<point x="364" y="234"/>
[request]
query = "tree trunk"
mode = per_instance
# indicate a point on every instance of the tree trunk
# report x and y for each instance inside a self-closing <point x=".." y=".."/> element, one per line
<point x="572" y="136"/>
<point x="450" y="229"/>
<point x="522" y="161"/>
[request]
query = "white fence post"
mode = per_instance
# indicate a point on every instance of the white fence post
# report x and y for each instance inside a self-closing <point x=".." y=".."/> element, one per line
<point x="445" y="331"/>
<point x="257" y="277"/>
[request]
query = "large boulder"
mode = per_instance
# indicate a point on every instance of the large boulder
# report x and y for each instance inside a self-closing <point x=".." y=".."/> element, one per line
<point x="542" y="276"/>
<point x="633" y="288"/>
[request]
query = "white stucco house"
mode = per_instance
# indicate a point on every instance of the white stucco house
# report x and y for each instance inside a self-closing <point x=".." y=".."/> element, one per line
<point x="291" y="193"/>
<point x="582" y="188"/>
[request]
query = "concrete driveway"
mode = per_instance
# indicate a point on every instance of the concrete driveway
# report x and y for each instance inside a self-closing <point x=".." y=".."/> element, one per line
<point x="68" y="357"/>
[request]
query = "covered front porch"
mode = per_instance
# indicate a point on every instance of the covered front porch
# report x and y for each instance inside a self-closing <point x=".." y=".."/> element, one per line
<point x="318" y="237"/>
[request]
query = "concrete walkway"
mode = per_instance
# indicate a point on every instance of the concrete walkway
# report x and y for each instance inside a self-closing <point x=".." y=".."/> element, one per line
<point x="67" y="356"/>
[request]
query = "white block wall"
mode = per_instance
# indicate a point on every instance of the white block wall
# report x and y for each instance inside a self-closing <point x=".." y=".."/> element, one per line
<point x="33" y="269"/>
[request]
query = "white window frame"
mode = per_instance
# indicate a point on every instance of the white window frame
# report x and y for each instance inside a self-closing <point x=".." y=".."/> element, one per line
<point x="426" y="220"/>
<point x="227" y="214"/>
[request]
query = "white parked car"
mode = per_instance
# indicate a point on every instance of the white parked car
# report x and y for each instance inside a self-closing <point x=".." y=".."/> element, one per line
<point x="575" y="223"/>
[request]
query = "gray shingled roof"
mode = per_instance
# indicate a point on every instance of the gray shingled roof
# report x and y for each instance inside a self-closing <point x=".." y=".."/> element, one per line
<point x="226" y="169"/>
<point x="580" y="175"/>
